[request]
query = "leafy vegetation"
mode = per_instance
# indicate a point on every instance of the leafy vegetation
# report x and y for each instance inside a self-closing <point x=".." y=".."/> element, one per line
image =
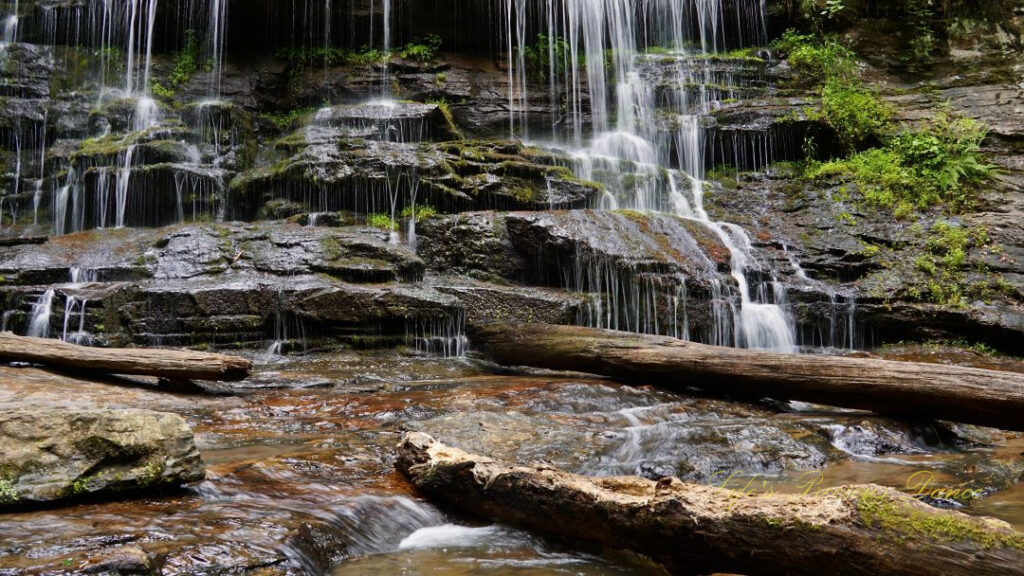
<point x="944" y="260"/>
<point x="161" y="91"/>
<point x="940" y="164"/>
<point x="422" y="212"/>
<point x="187" y="62"/>
<point x="8" y="492"/>
<point x="816" y="59"/>
<point x="545" y="55"/>
<point x="423" y="50"/>
<point x="898" y="169"/>
<point x="856" y="114"/>
<point x="299" y="58"/>
<point x="926" y="25"/>
<point x="976" y="347"/>
<point x="381" y="221"/>
<point x="284" y="120"/>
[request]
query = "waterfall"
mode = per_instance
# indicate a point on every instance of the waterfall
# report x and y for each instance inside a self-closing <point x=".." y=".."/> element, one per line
<point x="72" y="306"/>
<point x="626" y="151"/>
<point x="217" y="26"/>
<point x="9" y="34"/>
<point x="39" y="321"/>
<point x="122" y="179"/>
<point x="445" y="336"/>
<point x="146" y="110"/>
<point x="386" y="48"/>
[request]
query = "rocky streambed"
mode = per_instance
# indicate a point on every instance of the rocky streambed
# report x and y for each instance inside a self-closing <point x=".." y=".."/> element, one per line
<point x="300" y="476"/>
<point x="338" y="189"/>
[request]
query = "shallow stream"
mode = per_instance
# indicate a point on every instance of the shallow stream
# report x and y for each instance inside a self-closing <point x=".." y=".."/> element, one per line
<point x="300" y="465"/>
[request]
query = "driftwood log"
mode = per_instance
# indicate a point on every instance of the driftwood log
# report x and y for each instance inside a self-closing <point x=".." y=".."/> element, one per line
<point x="699" y="529"/>
<point x="169" y="364"/>
<point x="931" y="391"/>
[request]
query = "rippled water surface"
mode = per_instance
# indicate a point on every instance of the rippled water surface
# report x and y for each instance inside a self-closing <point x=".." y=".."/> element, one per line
<point x="301" y="480"/>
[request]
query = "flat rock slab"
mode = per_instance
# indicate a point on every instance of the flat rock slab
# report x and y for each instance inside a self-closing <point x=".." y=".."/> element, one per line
<point x="58" y="455"/>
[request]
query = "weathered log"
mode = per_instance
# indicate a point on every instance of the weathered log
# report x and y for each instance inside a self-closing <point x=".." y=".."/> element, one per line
<point x="698" y="529"/>
<point x="169" y="364"/>
<point x="22" y="240"/>
<point x="932" y="391"/>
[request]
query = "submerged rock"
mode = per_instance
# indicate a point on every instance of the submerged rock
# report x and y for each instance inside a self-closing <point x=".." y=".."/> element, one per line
<point x="60" y="455"/>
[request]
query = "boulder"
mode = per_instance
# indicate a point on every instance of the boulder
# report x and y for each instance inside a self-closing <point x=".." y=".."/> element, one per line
<point x="61" y="455"/>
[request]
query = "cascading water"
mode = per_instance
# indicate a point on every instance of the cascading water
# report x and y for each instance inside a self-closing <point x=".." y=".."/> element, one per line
<point x="9" y="34"/>
<point x="217" y="26"/>
<point x="629" y="150"/>
<point x="141" y="15"/>
<point x="39" y="321"/>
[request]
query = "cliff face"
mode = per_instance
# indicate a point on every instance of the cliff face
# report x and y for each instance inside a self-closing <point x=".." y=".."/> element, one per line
<point x="359" y="115"/>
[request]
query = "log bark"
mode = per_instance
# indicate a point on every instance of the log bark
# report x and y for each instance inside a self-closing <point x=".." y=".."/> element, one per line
<point x="169" y="364"/>
<point x="931" y="391"/>
<point x="22" y="240"/>
<point x="698" y="529"/>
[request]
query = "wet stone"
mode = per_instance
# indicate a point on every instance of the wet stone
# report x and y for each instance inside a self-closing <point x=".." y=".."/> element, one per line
<point x="54" y="455"/>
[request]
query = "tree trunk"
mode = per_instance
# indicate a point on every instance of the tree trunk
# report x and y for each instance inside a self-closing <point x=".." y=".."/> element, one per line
<point x="971" y="395"/>
<point x="169" y="364"/>
<point x="697" y="529"/>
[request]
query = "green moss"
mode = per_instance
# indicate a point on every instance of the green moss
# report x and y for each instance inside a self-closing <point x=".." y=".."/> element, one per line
<point x="748" y="54"/>
<point x="8" y="492"/>
<point x="901" y="520"/>
<point x="446" y="111"/>
<point x="152" y="474"/>
<point x="109" y="145"/>
<point x="287" y="119"/>
<point x="523" y="193"/>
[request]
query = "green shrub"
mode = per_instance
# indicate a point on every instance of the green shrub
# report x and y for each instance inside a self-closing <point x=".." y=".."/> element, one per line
<point x="299" y="58"/>
<point x="161" y="91"/>
<point x="947" y="155"/>
<point x="381" y="221"/>
<point x="938" y="165"/>
<point x="422" y="212"/>
<point x="284" y="120"/>
<point x="816" y="59"/>
<point x="423" y="50"/>
<point x="547" y="53"/>
<point x="856" y="114"/>
<point x="187" y="63"/>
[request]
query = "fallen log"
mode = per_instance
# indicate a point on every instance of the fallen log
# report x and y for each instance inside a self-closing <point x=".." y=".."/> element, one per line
<point x="169" y="364"/>
<point x="22" y="240"/>
<point x="932" y="391"/>
<point x="698" y="529"/>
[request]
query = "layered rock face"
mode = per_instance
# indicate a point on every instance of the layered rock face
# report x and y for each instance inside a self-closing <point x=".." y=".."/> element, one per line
<point x="52" y="455"/>
<point x="392" y="135"/>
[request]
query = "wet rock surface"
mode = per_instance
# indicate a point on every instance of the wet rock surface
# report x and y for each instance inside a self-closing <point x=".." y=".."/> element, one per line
<point x="52" y="455"/>
<point x="300" y="204"/>
<point x="300" y="464"/>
